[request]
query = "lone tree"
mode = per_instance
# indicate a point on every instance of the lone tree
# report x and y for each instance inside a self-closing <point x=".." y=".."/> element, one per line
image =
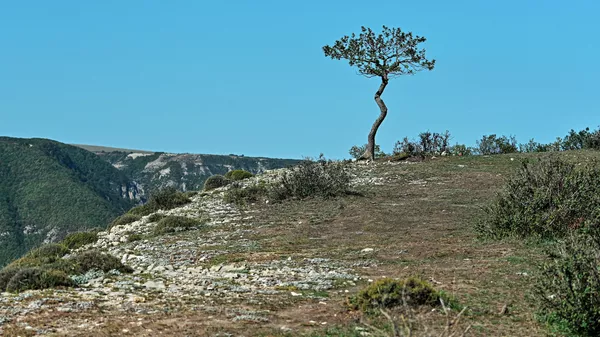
<point x="390" y="54"/>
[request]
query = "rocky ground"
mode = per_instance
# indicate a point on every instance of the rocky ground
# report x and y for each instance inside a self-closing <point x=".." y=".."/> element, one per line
<point x="184" y="270"/>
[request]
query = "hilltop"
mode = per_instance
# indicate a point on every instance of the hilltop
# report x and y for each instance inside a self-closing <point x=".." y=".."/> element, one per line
<point x="288" y="268"/>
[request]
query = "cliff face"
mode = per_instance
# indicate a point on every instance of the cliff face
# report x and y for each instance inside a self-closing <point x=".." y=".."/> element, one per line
<point x="152" y="171"/>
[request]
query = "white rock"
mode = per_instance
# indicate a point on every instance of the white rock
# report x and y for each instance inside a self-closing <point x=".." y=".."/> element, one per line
<point x="367" y="250"/>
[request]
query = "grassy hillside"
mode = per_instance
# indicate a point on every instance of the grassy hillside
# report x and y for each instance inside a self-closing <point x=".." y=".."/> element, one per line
<point x="48" y="189"/>
<point x="295" y="264"/>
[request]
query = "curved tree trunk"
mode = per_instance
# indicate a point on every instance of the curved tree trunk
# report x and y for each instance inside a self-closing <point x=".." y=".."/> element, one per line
<point x="370" y="151"/>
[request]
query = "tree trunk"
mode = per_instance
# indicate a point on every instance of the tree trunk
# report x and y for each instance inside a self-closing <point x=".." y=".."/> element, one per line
<point x="370" y="152"/>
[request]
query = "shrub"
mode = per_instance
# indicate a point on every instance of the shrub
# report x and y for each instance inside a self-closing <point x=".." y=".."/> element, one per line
<point x="168" y="198"/>
<point x="546" y="198"/>
<point x="238" y="175"/>
<point x="215" y="181"/>
<point x="173" y="223"/>
<point x="428" y="144"/>
<point x="319" y="178"/>
<point x="388" y="293"/>
<point x="124" y="219"/>
<point x="357" y="151"/>
<point x="567" y="289"/>
<point x="240" y="195"/>
<point x="37" y="278"/>
<point x="155" y="217"/>
<point x="95" y="260"/>
<point x="533" y="146"/>
<point x="79" y="239"/>
<point x="461" y="150"/>
<point x="47" y="253"/>
<point x="496" y="145"/>
<point x="6" y="274"/>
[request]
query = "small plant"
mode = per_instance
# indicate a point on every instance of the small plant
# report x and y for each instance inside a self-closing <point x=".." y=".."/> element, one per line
<point x="547" y="199"/>
<point x="567" y="288"/>
<point x="79" y="239"/>
<point x="173" y="223"/>
<point x="236" y="175"/>
<point x="95" y="260"/>
<point x="357" y="151"/>
<point x="388" y="293"/>
<point x="124" y="219"/>
<point x="319" y="178"/>
<point x="215" y="181"/>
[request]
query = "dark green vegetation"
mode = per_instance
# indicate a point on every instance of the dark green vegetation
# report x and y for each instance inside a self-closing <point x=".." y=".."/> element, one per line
<point x="79" y="239"/>
<point x="320" y="178"/>
<point x="238" y="175"/>
<point x="386" y="55"/>
<point x="309" y="179"/>
<point x="48" y="189"/>
<point x="546" y="198"/>
<point x="388" y="293"/>
<point x="567" y="288"/>
<point x="215" y="181"/>
<point x="44" y="267"/>
<point x="171" y="224"/>
<point x="558" y="200"/>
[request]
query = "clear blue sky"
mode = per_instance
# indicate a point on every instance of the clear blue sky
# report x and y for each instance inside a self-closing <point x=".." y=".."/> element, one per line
<point x="249" y="77"/>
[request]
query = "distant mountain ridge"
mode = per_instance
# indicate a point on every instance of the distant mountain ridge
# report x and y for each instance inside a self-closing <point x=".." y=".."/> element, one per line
<point x="155" y="170"/>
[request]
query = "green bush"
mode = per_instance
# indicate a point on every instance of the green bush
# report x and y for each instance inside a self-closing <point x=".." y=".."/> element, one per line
<point x="240" y="195"/>
<point x="38" y="278"/>
<point x="6" y="274"/>
<point x="79" y="239"/>
<point x="428" y="144"/>
<point x="47" y="253"/>
<point x="584" y="139"/>
<point x="319" y="178"/>
<point x="493" y="144"/>
<point x="124" y="219"/>
<point x="99" y="261"/>
<point x="168" y="198"/>
<point x="388" y="293"/>
<point x="215" y="181"/>
<point x="173" y="223"/>
<point x="567" y="291"/>
<point x="546" y="198"/>
<point x="236" y="175"/>
<point x="156" y="217"/>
